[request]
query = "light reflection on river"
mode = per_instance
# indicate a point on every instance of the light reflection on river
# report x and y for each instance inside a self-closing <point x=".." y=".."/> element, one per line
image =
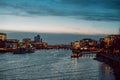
<point x="52" y="65"/>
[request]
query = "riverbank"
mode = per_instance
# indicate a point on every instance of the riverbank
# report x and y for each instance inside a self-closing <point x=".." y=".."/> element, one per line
<point x="112" y="60"/>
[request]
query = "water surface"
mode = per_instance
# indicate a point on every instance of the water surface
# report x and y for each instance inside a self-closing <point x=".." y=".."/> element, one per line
<point x="52" y="65"/>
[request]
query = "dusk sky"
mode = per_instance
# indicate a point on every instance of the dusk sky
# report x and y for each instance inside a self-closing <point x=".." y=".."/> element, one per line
<point x="61" y="16"/>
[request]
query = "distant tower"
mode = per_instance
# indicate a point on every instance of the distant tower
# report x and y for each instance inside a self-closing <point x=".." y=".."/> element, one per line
<point x="37" y="38"/>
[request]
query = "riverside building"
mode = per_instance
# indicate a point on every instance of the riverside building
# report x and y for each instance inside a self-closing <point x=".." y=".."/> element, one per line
<point x="3" y="36"/>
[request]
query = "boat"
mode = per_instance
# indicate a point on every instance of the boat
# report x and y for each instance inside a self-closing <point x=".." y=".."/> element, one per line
<point x="24" y="49"/>
<point x="76" y="55"/>
<point x="30" y="50"/>
<point x="20" y="51"/>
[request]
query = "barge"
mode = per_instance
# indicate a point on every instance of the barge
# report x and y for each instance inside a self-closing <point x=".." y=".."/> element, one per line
<point x="23" y="51"/>
<point x="76" y="54"/>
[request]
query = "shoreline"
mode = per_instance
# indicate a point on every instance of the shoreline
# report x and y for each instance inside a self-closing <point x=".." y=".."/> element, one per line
<point x="113" y="62"/>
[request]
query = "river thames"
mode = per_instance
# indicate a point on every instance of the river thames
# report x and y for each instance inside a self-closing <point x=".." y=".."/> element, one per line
<point x="52" y="64"/>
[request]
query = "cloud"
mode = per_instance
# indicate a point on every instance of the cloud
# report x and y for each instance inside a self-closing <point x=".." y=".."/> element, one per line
<point x="98" y="10"/>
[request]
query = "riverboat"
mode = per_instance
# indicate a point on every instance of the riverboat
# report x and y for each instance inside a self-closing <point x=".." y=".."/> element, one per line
<point x="76" y="55"/>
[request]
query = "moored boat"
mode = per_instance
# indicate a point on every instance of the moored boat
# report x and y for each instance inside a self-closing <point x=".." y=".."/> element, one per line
<point x="76" y="55"/>
<point x="30" y="50"/>
<point x="24" y="50"/>
<point x="20" y="51"/>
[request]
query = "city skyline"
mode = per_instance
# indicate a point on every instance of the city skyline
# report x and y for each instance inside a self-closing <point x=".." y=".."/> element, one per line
<point x="60" y="16"/>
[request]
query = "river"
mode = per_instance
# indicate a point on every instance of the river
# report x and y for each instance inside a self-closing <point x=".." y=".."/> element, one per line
<point x="52" y="65"/>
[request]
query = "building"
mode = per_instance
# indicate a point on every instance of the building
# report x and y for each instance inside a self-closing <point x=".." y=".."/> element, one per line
<point x="37" y="38"/>
<point x="3" y="36"/>
<point x="26" y="41"/>
<point x="45" y="45"/>
<point x="11" y="43"/>
<point x="2" y="40"/>
<point x="76" y="45"/>
<point x="84" y="44"/>
<point x="37" y="45"/>
<point x="111" y="44"/>
<point x="88" y="43"/>
<point x="2" y="44"/>
<point x="101" y="43"/>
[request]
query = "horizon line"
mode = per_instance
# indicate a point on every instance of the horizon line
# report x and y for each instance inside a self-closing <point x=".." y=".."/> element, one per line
<point x="5" y="31"/>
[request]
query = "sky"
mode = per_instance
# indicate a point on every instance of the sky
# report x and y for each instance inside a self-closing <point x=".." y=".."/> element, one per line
<point x="61" y="16"/>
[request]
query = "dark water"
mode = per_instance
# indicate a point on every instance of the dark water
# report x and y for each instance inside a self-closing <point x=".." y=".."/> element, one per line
<point x="52" y="65"/>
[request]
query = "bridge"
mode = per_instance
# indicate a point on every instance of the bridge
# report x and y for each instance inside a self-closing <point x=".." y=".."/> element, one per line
<point x="69" y="47"/>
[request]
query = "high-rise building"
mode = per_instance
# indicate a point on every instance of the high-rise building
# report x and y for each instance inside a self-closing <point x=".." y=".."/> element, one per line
<point x="37" y="38"/>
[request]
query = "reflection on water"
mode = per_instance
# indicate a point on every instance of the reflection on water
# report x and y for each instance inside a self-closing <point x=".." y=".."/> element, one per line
<point x="74" y="60"/>
<point x="52" y="65"/>
<point x="106" y="71"/>
<point x="89" y="55"/>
